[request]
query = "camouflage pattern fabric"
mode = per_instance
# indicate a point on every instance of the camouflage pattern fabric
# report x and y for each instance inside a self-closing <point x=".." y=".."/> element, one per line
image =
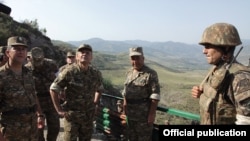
<point x="63" y="67"/>
<point x="79" y="104"/>
<point x="138" y="90"/>
<point x="142" y="129"/>
<point x="44" y="75"/>
<point x="17" y="92"/>
<point x="221" y="34"/>
<point x="220" y="106"/>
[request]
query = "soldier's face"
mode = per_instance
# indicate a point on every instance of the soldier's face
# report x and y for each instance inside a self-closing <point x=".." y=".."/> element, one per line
<point x="17" y="53"/>
<point x="70" y="59"/>
<point x="213" y="54"/>
<point x="137" y="62"/>
<point x="84" y="56"/>
<point x="37" y="62"/>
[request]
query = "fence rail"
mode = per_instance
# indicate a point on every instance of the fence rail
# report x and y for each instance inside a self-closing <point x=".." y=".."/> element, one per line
<point x="113" y="123"/>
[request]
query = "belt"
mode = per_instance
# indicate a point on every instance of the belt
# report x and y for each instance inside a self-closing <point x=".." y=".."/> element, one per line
<point x="137" y="101"/>
<point x="19" y="111"/>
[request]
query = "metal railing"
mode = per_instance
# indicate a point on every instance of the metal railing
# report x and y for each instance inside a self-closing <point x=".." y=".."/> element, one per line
<point x="113" y="123"/>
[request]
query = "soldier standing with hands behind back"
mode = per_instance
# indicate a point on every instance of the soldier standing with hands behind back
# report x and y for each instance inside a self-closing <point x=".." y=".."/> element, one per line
<point x="224" y="94"/>
<point x="141" y="96"/>
<point x="19" y="107"/>
<point x="44" y="72"/>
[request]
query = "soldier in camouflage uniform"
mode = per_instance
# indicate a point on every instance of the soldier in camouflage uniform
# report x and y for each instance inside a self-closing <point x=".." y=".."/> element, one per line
<point x="71" y="58"/>
<point x="20" y="110"/>
<point x="44" y="72"/>
<point x="84" y="85"/>
<point x="224" y="93"/>
<point x="141" y="96"/>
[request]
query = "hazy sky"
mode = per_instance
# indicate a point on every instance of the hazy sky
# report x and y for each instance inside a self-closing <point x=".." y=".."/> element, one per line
<point x="119" y="20"/>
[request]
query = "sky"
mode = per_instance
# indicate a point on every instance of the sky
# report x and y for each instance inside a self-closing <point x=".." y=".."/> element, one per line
<point x="120" y="20"/>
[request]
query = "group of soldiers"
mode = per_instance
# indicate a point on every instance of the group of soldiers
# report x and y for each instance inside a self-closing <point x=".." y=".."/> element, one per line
<point x="31" y="90"/>
<point x="34" y="90"/>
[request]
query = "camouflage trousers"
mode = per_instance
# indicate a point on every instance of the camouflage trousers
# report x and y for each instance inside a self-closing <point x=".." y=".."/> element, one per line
<point x="19" y="127"/>
<point x="138" y="131"/>
<point x="51" y="118"/>
<point x="78" y="125"/>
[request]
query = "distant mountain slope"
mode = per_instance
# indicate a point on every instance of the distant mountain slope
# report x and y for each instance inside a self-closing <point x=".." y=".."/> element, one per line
<point x="175" y="55"/>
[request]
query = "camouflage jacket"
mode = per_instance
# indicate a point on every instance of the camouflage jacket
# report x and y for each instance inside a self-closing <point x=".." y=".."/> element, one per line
<point x="43" y="76"/>
<point x="62" y="68"/>
<point x="225" y="95"/>
<point x="16" y="91"/>
<point x="138" y="90"/>
<point x="81" y="87"/>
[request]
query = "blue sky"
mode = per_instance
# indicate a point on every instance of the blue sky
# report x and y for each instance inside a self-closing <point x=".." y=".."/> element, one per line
<point x="119" y="20"/>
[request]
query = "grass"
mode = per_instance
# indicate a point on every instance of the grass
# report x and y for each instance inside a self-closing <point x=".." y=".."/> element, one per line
<point x="175" y="89"/>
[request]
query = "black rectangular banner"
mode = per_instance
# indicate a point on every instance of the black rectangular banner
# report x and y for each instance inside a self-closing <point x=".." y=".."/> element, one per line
<point x="202" y="132"/>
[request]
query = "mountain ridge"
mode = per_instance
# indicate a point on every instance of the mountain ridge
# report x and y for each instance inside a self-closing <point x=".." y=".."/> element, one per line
<point x="181" y="56"/>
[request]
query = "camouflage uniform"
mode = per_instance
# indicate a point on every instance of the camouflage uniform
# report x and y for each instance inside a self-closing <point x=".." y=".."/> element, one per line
<point x="18" y="119"/>
<point x="81" y="87"/>
<point x="223" y="98"/>
<point x="44" y="75"/>
<point x="69" y="61"/>
<point x="226" y="93"/>
<point x="138" y="91"/>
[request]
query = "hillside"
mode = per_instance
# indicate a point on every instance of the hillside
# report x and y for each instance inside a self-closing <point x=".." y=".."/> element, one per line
<point x="184" y="56"/>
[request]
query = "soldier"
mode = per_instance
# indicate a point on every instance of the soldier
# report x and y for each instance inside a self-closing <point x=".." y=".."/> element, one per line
<point x="224" y="93"/>
<point x="141" y="90"/>
<point x="70" y="60"/>
<point x="84" y="86"/>
<point x="3" y="56"/>
<point x="19" y="107"/>
<point x="44" y="72"/>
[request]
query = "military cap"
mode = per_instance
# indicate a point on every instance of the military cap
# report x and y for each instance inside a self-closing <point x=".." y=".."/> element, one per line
<point x="17" y="41"/>
<point x="70" y="53"/>
<point x="135" y="51"/>
<point x="84" y="46"/>
<point x="37" y="53"/>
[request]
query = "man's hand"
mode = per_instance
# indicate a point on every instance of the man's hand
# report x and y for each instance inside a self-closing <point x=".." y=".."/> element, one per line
<point x="196" y="92"/>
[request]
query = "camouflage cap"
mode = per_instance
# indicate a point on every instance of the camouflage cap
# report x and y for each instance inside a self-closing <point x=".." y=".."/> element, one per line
<point x="71" y="53"/>
<point x="84" y="46"/>
<point x="17" y="41"/>
<point x="37" y="53"/>
<point x="135" y="51"/>
<point x="221" y="34"/>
